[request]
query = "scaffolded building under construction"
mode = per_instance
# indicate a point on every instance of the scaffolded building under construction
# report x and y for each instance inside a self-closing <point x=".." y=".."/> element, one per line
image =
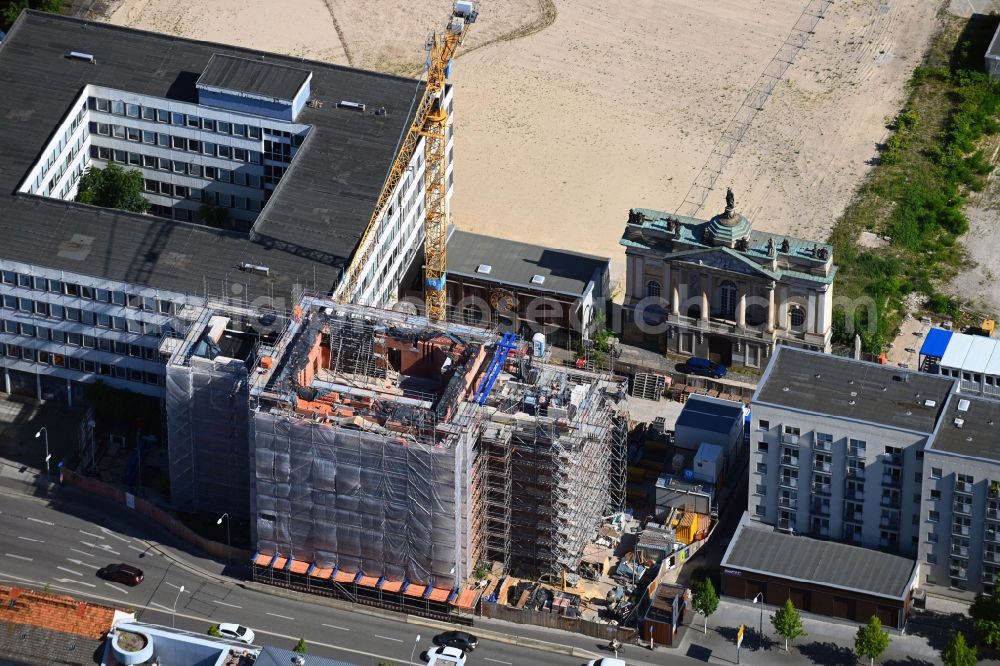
<point x="390" y="452"/>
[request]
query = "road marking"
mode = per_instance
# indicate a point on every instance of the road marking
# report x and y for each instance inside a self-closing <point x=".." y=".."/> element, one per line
<point x="136" y="548"/>
<point x="75" y="582"/>
<point x="113" y="535"/>
<point x="81" y="563"/>
<point x="82" y="552"/>
<point x="96" y="536"/>
<point x="39" y="520"/>
<point x="497" y="661"/>
<point x="166" y="608"/>
<point x="23" y="538"/>
<point x="223" y="603"/>
<point x="107" y="549"/>
<point x="75" y="573"/>
<point x="115" y="587"/>
<point x="19" y="557"/>
<point x="333" y="626"/>
<point x="389" y="638"/>
<point x="176" y="587"/>
<point x="283" y="617"/>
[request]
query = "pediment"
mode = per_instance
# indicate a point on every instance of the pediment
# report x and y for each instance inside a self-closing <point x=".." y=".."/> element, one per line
<point x="722" y="259"/>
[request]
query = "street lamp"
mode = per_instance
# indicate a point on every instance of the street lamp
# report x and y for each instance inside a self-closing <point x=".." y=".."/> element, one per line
<point x="173" y="615"/>
<point x="760" y="633"/>
<point x="48" y="456"/>
<point x="414" y="648"/>
<point x="229" y="545"/>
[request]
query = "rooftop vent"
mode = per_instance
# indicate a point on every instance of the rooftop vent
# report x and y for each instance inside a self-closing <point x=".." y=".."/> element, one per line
<point x="963" y="405"/>
<point x="77" y="55"/>
<point x="959" y="423"/>
<point x="353" y="106"/>
<point x="254" y="268"/>
<point x="537" y="279"/>
<point x="485" y="269"/>
<point x="930" y="403"/>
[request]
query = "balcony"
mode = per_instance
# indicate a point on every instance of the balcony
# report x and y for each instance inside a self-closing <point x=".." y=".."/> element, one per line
<point x="856" y="472"/>
<point x="784" y="524"/>
<point x="991" y="557"/>
<point x="960" y="551"/>
<point x="992" y="536"/>
<point x="792" y="440"/>
<point x="962" y="508"/>
<point x="890" y="502"/>
<point x="821" y="466"/>
<point x="821" y="488"/>
<point x="856" y="452"/>
<point x="992" y="514"/>
<point x="892" y="481"/>
<point x="823" y="446"/>
<point x="960" y="574"/>
<point x="960" y="530"/>
<point x="889" y="523"/>
<point x="788" y="482"/>
<point x="790" y="461"/>
<point x="989" y="578"/>
<point x="788" y="502"/>
<point x="820" y="509"/>
<point x="963" y="487"/>
<point x="855" y="517"/>
<point x="855" y="494"/>
<point x="894" y="459"/>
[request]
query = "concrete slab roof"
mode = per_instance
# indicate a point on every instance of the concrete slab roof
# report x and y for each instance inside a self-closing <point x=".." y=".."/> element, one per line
<point x="970" y="427"/>
<point x="254" y="77"/>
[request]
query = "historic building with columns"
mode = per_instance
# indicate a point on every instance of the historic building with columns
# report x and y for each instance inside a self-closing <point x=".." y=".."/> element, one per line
<point x="719" y="289"/>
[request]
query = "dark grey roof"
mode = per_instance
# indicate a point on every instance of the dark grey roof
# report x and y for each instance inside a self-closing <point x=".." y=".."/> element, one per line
<point x="310" y="227"/>
<point x="515" y="263"/>
<point x="764" y="550"/>
<point x="842" y="387"/>
<point x="255" y="77"/>
<point x="28" y="644"/>
<point x="272" y="656"/>
<point x="709" y="414"/>
<point x="979" y="434"/>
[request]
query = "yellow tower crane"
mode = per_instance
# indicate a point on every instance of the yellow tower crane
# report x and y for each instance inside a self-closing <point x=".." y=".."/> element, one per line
<point x="429" y="122"/>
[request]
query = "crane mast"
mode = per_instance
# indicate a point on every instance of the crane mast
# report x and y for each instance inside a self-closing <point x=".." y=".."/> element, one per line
<point x="430" y="122"/>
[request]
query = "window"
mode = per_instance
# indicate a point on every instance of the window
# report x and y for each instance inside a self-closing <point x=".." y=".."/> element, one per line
<point x="102" y="104"/>
<point x="225" y="151"/>
<point x="193" y="121"/>
<point x="162" y="116"/>
<point x="163" y="140"/>
<point x="118" y="131"/>
<point x="103" y="129"/>
<point x="176" y="118"/>
<point x="652" y="289"/>
<point x="933" y="516"/>
<point x="762" y="446"/>
<point x="760" y="510"/>
<point x="178" y="167"/>
<point x="118" y="107"/>
<point x="240" y="154"/>
<point x="935" y="472"/>
<point x="148" y="113"/>
<point x="253" y="132"/>
<point x="132" y="110"/>
<point x="935" y="494"/>
<point x="797" y="316"/>
<point x="223" y="127"/>
<point x="194" y="146"/>
<point x="727" y="299"/>
<point x="177" y="142"/>
<point x="760" y="489"/>
<point x="208" y="124"/>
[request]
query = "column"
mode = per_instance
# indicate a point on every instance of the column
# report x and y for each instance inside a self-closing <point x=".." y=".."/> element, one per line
<point x="704" y="302"/>
<point x="770" y="309"/>
<point x="6" y="380"/>
<point x="782" y="307"/>
<point x="665" y="292"/>
<point x="640" y="278"/>
<point x="741" y="309"/>
<point x="675" y="299"/>
<point x="38" y="385"/>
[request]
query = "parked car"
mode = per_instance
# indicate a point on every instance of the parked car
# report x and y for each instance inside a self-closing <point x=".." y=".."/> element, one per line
<point x="236" y="632"/>
<point x="697" y="365"/>
<point x="121" y="573"/>
<point x="445" y="656"/>
<point x="457" y="639"/>
<point x="607" y="661"/>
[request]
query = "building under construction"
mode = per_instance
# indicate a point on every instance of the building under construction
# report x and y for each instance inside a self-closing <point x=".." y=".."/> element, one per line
<point x="387" y="457"/>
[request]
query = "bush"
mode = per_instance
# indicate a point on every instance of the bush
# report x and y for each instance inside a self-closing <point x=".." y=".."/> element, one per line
<point x="213" y="631"/>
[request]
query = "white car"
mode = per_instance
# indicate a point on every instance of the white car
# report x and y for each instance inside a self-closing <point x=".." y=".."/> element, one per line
<point x="606" y="662"/>
<point x="236" y="632"/>
<point x="445" y="656"/>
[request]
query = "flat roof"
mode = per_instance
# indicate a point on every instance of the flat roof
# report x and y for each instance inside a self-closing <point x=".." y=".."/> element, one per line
<point x="978" y="435"/>
<point x="972" y="353"/>
<point x="711" y="414"/>
<point x="254" y="77"/>
<point x="308" y="230"/>
<point x="764" y="550"/>
<point x="512" y="262"/>
<point x="935" y="343"/>
<point x="843" y="387"/>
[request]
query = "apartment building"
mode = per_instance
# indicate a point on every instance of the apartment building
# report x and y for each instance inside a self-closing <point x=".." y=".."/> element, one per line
<point x="262" y="172"/>
<point x="838" y="447"/>
<point x="960" y="508"/>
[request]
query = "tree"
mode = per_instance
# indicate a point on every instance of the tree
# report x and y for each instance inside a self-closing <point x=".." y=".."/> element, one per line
<point x="788" y="623"/>
<point x="214" y="631"/>
<point x="958" y="653"/>
<point x="985" y="613"/>
<point x="704" y="600"/>
<point x="300" y="647"/>
<point x="871" y="640"/>
<point x="113" y="187"/>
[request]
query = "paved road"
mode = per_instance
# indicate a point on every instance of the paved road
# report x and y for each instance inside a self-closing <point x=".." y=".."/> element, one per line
<point x="64" y="541"/>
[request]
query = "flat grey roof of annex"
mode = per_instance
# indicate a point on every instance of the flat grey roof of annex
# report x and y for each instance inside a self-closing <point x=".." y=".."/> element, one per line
<point x="255" y="77"/>
<point x="979" y="434"/>
<point x="762" y="549"/>
<point x="512" y="262"/>
<point x="857" y="390"/>
<point x="310" y="227"/>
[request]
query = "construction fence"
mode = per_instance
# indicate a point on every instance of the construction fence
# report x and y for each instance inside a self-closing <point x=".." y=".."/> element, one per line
<point x="576" y="625"/>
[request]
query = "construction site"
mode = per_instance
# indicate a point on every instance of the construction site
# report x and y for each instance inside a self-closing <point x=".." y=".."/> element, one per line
<point x="392" y="459"/>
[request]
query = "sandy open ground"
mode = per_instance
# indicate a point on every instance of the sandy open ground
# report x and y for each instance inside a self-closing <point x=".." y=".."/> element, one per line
<point x="616" y="104"/>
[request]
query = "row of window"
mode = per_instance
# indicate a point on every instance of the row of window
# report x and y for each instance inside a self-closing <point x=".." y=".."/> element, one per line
<point x="222" y="199"/>
<point x="147" y="303"/>
<point x="78" y="340"/>
<point x="153" y="114"/>
<point x="974" y="377"/>
<point x="61" y="144"/>
<point x="60" y="361"/>
<point x="180" y="143"/>
<point x="81" y="315"/>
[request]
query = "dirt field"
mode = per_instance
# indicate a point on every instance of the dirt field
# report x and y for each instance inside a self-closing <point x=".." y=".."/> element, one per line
<point x="616" y="104"/>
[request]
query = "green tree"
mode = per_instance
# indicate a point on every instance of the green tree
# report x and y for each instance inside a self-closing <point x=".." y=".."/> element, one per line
<point x="985" y="613"/>
<point x="213" y="631"/>
<point x="871" y="640"/>
<point x="788" y="623"/>
<point x="300" y="647"/>
<point x="704" y="599"/>
<point x="958" y="652"/>
<point x="113" y="187"/>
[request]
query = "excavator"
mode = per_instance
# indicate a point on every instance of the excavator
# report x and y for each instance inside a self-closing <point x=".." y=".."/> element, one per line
<point x="429" y="123"/>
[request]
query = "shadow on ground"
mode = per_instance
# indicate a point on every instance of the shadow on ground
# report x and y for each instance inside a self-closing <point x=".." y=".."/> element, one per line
<point x="938" y="628"/>
<point x="827" y="653"/>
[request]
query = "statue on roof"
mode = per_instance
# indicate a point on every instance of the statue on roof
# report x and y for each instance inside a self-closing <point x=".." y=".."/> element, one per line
<point x="730" y="200"/>
<point x="785" y="245"/>
<point x="770" y="247"/>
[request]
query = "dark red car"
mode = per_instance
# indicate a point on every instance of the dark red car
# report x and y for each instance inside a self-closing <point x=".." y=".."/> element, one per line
<point x="121" y="573"/>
